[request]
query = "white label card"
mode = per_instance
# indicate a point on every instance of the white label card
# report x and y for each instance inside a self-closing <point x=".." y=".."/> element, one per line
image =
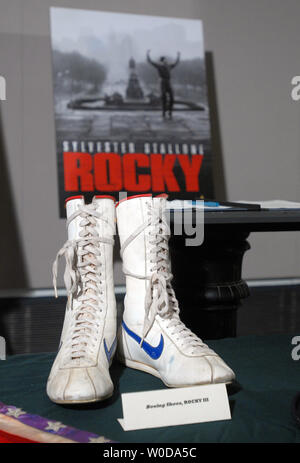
<point x="172" y="407"/>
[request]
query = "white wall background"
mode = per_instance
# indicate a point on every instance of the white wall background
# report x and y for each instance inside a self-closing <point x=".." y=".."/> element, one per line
<point x="255" y="48"/>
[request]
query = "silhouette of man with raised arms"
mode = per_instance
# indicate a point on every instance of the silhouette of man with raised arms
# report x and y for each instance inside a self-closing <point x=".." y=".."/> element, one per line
<point x="164" y="71"/>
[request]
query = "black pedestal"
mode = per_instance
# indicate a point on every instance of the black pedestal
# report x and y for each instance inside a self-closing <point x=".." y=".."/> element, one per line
<point x="207" y="281"/>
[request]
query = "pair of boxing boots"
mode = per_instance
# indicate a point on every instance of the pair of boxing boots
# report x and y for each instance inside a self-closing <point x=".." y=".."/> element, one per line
<point x="152" y="337"/>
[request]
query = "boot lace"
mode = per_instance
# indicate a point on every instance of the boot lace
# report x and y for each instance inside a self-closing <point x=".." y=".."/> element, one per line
<point x="84" y="281"/>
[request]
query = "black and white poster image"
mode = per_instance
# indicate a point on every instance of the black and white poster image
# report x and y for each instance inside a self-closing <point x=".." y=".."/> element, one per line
<point x="131" y="83"/>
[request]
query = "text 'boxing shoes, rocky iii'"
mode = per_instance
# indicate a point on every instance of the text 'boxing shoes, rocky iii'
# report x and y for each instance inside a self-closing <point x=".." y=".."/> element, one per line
<point x="80" y="372"/>
<point x="152" y="337"/>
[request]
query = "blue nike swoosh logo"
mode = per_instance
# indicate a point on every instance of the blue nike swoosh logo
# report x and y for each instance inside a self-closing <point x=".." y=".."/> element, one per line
<point x="110" y="351"/>
<point x="153" y="352"/>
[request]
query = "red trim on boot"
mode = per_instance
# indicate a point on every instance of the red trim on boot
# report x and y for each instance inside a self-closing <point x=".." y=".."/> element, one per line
<point x="146" y="195"/>
<point x="73" y="197"/>
<point x="105" y="196"/>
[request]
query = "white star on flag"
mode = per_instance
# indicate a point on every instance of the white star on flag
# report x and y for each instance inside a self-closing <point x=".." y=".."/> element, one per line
<point x="54" y="426"/>
<point x="15" y="412"/>
<point x="98" y="440"/>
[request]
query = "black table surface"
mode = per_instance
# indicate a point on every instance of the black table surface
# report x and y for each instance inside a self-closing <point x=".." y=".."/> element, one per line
<point x="260" y="220"/>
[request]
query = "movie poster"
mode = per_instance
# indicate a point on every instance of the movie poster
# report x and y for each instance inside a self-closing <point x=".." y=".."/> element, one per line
<point x="131" y="110"/>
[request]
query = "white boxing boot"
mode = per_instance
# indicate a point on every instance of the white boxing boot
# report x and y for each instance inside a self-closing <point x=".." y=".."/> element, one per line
<point x="152" y="337"/>
<point x="80" y="372"/>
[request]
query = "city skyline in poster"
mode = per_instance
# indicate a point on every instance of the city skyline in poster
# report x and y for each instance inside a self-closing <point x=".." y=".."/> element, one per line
<point x="131" y="110"/>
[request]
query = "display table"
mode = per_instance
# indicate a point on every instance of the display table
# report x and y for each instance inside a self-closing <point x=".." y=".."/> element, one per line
<point x="268" y="379"/>
<point x="208" y="278"/>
